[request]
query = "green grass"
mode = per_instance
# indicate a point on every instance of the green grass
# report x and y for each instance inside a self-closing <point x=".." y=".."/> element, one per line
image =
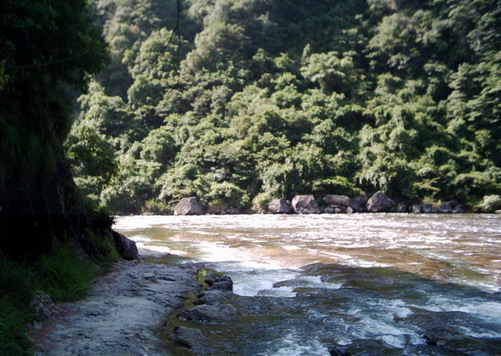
<point x="104" y="250"/>
<point x="15" y="294"/>
<point x="13" y="321"/>
<point x="62" y="274"/>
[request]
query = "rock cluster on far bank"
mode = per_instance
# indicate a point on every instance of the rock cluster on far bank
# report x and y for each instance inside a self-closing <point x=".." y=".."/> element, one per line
<point x="329" y="204"/>
<point x="336" y="204"/>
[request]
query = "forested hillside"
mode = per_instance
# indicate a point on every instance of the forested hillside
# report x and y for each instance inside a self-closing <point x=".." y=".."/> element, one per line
<point x="241" y="101"/>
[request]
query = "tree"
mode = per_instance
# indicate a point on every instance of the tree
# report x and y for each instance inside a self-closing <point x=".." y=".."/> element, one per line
<point x="46" y="48"/>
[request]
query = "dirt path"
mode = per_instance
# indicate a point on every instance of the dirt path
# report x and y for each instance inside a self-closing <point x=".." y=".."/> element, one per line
<point x="121" y="315"/>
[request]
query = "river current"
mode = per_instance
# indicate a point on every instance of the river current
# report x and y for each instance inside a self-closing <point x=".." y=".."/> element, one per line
<point x="360" y="284"/>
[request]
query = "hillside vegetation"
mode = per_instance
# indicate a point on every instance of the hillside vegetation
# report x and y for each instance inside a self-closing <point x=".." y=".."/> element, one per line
<point x="241" y="101"/>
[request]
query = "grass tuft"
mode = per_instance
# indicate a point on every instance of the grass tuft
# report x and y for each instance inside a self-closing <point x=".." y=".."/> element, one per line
<point x="104" y="250"/>
<point x="63" y="275"/>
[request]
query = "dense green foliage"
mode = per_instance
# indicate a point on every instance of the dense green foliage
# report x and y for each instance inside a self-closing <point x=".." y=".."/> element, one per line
<point x="254" y="99"/>
<point x="48" y="51"/>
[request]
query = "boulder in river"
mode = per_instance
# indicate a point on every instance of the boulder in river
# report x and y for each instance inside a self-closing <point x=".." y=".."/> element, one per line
<point x="189" y="206"/>
<point x="280" y="206"/>
<point x="305" y="204"/>
<point x="126" y="248"/>
<point x="379" y="202"/>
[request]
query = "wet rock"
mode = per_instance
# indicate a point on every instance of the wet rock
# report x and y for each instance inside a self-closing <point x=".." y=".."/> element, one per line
<point x="447" y="338"/>
<point x="213" y="297"/>
<point x="42" y="306"/>
<point x="280" y="206"/>
<point x="364" y="347"/>
<point x="305" y="204"/>
<point x="379" y="202"/>
<point x="125" y="247"/>
<point x="223" y="283"/>
<point x="452" y="331"/>
<point x="338" y="351"/>
<point x="191" y="338"/>
<point x="189" y="206"/>
<point x="370" y="347"/>
<point x="215" y="281"/>
<point x="210" y="314"/>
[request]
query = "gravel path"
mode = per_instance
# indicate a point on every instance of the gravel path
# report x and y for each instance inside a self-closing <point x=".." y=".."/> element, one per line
<point x="121" y="315"/>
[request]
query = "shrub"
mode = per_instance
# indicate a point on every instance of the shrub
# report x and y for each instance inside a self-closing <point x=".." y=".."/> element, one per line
<point x="491" y="203"/>
<point x="104" y="249"/>
<point x="261" y="201"/>
<point x="227" y="194"/>
<point x="153" y="206"/>
<point x="335" y="185"/>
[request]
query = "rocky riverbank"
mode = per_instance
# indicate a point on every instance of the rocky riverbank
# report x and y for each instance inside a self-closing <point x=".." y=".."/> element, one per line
<point x="122" y="315"/>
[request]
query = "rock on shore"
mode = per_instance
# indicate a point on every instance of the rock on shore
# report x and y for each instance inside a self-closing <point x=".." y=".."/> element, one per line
<point x="380" y="202"/>
<point x="279" y="206"/>
<point x="305" y="204"/>
<point x="189" y="206"/>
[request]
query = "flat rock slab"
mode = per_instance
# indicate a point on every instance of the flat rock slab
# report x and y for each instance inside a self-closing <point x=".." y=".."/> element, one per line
<point x="122" y="314"/>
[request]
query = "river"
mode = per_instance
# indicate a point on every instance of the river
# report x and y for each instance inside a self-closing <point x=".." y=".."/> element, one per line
<point x="415" y="284"/>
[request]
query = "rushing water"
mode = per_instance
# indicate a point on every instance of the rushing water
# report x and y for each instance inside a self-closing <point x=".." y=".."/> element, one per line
<point x="362" y="283"/>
